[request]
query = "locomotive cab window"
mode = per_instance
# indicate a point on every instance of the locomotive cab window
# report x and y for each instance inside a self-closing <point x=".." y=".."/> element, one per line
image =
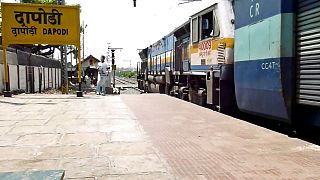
<point x="204" y="26"/>
<point x="209" y="26"/>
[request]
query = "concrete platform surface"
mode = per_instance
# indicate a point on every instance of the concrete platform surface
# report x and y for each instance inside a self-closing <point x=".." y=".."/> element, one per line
<point x="148" y="136"/>
<point x="198" y="143"/>
<point x="32" y="175"/>
<point x="91" y="138"/>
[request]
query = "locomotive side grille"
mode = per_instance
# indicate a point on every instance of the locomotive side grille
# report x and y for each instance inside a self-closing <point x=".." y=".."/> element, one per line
<point x="308" y="52"/>
<point x="221" y="52"/>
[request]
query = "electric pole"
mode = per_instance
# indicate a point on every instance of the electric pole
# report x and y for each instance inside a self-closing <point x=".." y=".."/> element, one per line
<point x="84" y="26"/>
<point x="71" y="51"/>
<point x="64" y="69"/>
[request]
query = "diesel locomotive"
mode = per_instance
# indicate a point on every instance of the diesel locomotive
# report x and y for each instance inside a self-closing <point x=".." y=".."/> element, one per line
<point x="259" y="56"/>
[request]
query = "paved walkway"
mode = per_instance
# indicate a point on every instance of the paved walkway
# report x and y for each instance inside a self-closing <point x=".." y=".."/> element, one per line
<point x="90" y="138"/>
<point x="202" y="144"/>
<point x="148" y="136"/>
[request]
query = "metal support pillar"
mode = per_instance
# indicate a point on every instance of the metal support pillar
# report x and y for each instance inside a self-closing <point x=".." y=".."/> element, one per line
<point x="7" y="92"/>
<point x="113" y="69"/>
<point x="64" y="70"/>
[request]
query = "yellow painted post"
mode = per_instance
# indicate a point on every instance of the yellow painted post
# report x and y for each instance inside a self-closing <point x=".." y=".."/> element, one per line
<point x="79" y="92"/>
<point x="7" y="92"/>
<point x="6" y="78"/>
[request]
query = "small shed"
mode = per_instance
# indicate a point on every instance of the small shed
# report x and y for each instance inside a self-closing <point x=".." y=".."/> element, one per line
<point x="90" y="68"/>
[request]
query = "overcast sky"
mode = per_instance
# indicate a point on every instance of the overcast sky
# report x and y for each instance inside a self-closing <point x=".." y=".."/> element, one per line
<point x="119" y="23"/>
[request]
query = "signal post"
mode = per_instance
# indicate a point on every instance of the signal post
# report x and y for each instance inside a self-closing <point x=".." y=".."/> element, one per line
<point x="114" y="67"/>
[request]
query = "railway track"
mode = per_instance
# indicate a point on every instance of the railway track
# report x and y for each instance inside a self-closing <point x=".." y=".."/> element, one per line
<point x="126" y="81"/>
<point x="127" y="86"/>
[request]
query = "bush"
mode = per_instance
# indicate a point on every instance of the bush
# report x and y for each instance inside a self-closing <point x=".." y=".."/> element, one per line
<point x="127" y="74"/>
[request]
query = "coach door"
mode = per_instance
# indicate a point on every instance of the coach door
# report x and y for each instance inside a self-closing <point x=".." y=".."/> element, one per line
<point x="178" y="55"/>
<point x="308" y="52"/>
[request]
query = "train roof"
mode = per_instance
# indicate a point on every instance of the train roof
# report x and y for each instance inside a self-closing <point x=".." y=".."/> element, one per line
<point x="182" y="29"/>
<point x="181" y="26"/>
<point x="143" y="54"/>
<point x="204" y="10"/>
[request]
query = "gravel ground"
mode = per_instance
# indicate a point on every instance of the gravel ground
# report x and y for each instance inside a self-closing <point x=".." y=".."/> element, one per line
<point x="72" y="90"/>
<point x="122" y="91"/>
<point x="129" y="91"/>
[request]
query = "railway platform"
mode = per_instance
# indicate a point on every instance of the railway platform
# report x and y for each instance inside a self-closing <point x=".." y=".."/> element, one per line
<point x="148" y="136"/>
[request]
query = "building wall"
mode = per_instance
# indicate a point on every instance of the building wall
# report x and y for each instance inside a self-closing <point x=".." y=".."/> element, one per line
<point x="13" y="76"/>
<point x="23" y="77"/>
<point x="24" y="72"/>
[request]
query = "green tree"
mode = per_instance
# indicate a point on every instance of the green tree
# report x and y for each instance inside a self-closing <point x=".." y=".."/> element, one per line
<point x="74" y="51"/>
<point x="0" y="21"/>
<point x="39" y="1"/>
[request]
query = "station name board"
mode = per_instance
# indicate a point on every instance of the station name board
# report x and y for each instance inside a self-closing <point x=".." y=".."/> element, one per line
<point x="40" y="24"/>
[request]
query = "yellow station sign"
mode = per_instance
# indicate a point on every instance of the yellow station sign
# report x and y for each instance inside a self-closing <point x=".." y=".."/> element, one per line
<point x="40" y="24"/>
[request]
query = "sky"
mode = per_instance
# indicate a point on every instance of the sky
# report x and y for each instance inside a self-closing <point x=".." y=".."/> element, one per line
<point x="123" y="26"/>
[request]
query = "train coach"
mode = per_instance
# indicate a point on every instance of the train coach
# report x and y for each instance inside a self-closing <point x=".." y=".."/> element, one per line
<point x="259" y="56"/>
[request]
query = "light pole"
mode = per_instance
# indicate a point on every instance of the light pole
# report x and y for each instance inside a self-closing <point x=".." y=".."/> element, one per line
<point x="108" y="53"/>
<point x="83" y="31"/>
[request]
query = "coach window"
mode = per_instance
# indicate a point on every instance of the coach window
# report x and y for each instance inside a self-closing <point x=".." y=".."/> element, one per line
<point x="195" y="30"/>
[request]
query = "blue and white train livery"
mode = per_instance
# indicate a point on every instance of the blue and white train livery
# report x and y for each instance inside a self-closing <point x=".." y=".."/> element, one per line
<point x="259" y="56"/>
